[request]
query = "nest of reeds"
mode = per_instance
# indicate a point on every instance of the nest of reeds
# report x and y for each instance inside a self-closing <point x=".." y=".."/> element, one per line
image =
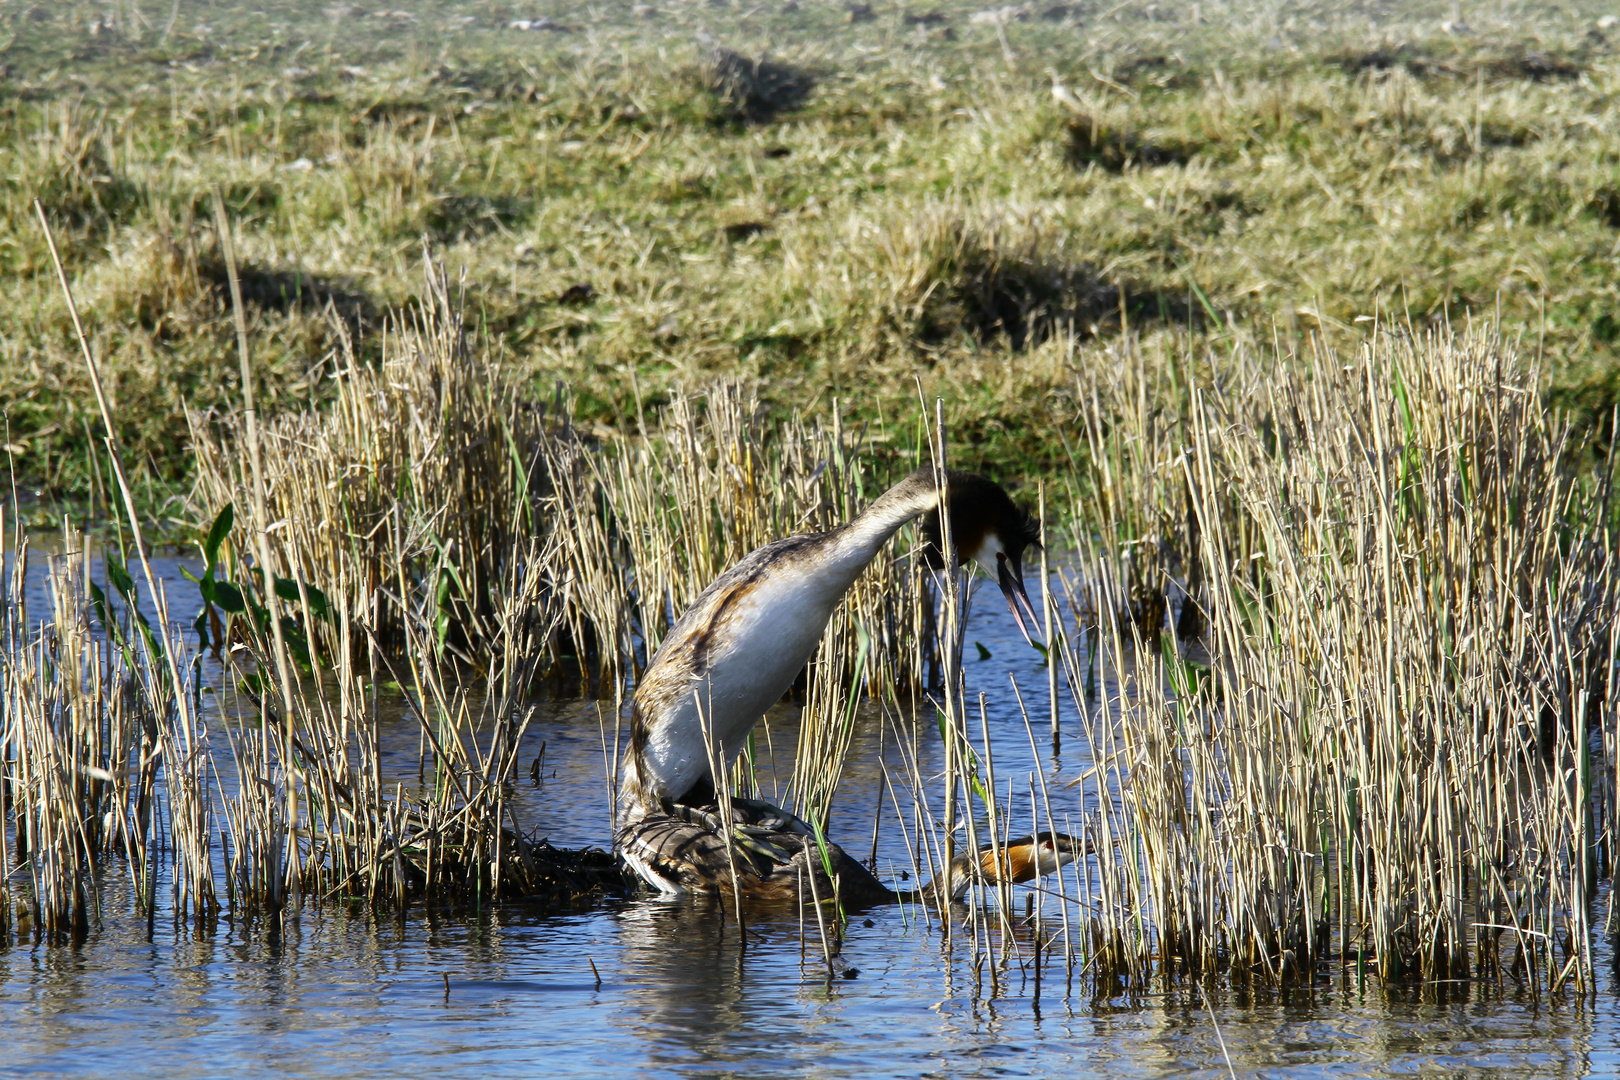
<point x="429" y="859"/>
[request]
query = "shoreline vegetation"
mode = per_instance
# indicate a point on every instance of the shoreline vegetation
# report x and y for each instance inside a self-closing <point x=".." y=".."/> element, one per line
<point x="1362" y="617"/>
<point x="819" y="203"/>
<point x="1356" y="577"/>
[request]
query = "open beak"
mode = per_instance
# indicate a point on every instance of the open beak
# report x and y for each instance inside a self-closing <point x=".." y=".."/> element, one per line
<point x="1012" y="587"/>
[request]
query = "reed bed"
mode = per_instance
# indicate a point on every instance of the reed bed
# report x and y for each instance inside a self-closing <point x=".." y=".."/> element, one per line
<point x="91" y="716"/>
<point x="427" y="471"/>
<point x="107" y="753"/>
<point x="436" y="530"/>
<point x="1392" y="745"/>
<point x="1359" y="611"/>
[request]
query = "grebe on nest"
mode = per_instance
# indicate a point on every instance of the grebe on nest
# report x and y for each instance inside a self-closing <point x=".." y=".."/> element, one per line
<point x="737" y="650"/>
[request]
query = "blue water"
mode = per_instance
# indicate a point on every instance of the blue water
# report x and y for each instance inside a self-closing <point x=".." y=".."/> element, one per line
<point x="337" y="994"/>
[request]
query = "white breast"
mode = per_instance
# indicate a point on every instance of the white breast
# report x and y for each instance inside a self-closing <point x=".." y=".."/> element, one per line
<point x="753" y="660"/>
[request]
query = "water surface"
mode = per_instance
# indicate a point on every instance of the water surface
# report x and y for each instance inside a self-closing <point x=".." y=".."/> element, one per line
<point x="510" y="990"/>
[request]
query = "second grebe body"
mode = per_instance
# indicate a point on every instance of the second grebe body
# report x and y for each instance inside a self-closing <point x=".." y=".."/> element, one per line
<point x="775" y="856"/>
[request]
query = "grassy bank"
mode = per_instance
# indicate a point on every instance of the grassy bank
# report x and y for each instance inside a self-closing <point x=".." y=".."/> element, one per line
<point x="829" y="201"/>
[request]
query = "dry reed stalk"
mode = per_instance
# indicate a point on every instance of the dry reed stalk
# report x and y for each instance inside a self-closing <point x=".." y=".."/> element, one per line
<point x="261" y="519"/>
<point x="13" y="617"/>
<point x="59" y="868"/>
<point x="422" y="519"/>
<point x="1410" y="612"/>
<point x="77" y="715"/>
<point x="455" y="842"/>
<point x="366" y="489"/>
<point x="109" y="743"/>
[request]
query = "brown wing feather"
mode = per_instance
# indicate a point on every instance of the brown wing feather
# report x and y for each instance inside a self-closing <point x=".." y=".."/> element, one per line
<point x="691" y="854"/>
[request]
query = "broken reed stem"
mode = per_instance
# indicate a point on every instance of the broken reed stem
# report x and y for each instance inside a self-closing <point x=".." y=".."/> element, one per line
<point x="821" y="922"/>
<point x="994" y="822"/>
<point x="1046" y="808"/>
<point x="722" y="806"/>
<point x="950" y="641"/>
<point x="1046" y="619"/>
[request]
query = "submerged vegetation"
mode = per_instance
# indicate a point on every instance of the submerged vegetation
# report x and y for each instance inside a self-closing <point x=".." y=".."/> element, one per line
<point x="1333" y="586"/>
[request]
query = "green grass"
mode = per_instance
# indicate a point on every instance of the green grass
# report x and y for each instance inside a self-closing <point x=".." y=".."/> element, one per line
<point x="888" y="203"/>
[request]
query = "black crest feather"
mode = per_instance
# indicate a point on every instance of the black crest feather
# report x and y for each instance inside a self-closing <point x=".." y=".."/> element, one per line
<point x="978" y="506"/>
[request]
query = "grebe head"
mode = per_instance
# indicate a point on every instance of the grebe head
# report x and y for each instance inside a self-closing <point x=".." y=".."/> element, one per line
<point x="987" y="528"/>
<point x="1020" y="860"/>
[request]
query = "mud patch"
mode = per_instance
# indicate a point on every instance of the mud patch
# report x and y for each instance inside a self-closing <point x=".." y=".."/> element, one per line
<point x="455" y="218"/>
<point x="278" y="290"/>
<point x="1404" y="57"/>
<point x="1024" y="300"/>
<point x="1511" y="64"/>
<point x="1534" y="66"/>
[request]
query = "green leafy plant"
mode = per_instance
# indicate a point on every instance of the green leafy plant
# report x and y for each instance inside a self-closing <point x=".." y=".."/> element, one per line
<point x="228" y="604"/>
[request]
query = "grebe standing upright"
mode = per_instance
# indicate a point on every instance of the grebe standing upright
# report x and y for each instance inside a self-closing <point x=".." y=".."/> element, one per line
<point x="737" y="650"/>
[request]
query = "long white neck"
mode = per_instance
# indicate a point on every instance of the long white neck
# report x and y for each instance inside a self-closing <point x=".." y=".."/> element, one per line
<point x="856" y="543"/>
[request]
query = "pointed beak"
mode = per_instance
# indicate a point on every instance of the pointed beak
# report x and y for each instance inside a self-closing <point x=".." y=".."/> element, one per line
<point x="1012" y="587"/>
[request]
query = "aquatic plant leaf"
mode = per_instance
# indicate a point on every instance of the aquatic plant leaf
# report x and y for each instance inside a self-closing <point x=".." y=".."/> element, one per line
<point x="98" y="601"/>
<point x="120" y="577"/>
<point x="228" y="597"/>
<point x="287" y="589"/>
<point x="297" y="644"/>
<point x="217" y="533"/>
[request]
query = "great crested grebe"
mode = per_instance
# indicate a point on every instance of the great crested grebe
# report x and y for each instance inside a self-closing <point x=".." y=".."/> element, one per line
<point x="775" y="856"/>
<point x="736" y="651"/>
